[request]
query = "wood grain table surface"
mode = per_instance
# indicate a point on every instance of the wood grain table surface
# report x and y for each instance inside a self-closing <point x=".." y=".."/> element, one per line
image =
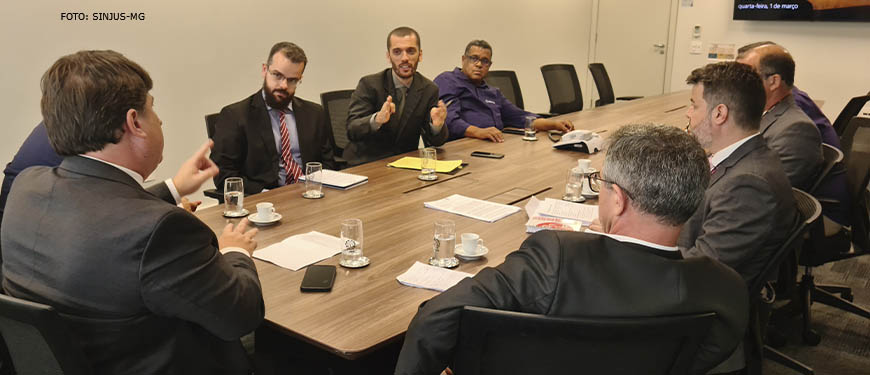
<point x="367" y="307"/>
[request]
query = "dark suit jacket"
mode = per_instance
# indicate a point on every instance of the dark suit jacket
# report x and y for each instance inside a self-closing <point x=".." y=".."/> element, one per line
<point x="582" y="274"/>
<point x="747" y="213"/>
<point x="399" y="135"/>
<point x="140" y="281"/>
<point x="244" y="145"/>
<point x="36" y="150"/>
<point x="793" y="136"/>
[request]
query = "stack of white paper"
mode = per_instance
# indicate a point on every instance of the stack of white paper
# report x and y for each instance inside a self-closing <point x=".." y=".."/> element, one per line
<point x="300" y="250"/>
<point x="340" y="180"/>
<point x="473" y="208"/>
<point x="556" y="214"/>
<point x="430" y="277"/>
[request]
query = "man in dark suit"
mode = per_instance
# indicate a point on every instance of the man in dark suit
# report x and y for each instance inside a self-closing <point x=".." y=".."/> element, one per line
<point x="390" y="110"/>
<point x="141" y="283"/>
<point x="748" y="209"/>
<point x="653" y="180"/>
<point x="267" y="138"/>
<point x="784" y="126"/>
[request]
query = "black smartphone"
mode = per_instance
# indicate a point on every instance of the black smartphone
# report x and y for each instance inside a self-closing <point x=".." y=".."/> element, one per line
<point x="516" y="131"/>
<point x="484" y="154"/>
<point x="318" y="279"/>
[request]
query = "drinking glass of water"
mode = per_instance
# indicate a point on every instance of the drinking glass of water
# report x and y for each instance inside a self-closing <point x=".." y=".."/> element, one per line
<point x="530" y="129"/>
<point x="428" y="158"/>
<point x="234" y="197"/>
<point x="352" y="248"/>
<point x="443" y="245"/>
<point x="313" y="180"/>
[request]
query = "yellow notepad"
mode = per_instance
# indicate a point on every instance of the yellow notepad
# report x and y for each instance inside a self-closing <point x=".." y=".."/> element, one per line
<point x="441" y="166"/>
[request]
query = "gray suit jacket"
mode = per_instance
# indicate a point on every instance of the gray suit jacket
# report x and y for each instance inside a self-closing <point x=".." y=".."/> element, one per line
<point x="793" y="136"/>
<point x="580" y="274"/>
<point x="399" y="135"/>
<point x="140" y="281"/>
<point x="747" y="212"/>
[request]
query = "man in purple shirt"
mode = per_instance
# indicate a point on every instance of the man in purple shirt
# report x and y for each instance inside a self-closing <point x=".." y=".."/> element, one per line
<point x="476" y="110"/>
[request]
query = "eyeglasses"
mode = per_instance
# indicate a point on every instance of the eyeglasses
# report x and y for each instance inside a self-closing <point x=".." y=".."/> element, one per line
<point x="595" y="180"/>
<point x="291" y="82"/>
<point x="476" y="59"/>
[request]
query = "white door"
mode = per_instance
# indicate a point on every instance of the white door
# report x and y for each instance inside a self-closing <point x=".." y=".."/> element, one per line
<point x="631" y="41"/>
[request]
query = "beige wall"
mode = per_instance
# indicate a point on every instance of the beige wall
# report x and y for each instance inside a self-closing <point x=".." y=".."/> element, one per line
<point x="203" y="55"/>
<point x="832" y="58"/>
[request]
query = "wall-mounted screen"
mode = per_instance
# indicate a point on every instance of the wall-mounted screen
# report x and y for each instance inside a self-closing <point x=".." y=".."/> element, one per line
<point x="803" y="10"/>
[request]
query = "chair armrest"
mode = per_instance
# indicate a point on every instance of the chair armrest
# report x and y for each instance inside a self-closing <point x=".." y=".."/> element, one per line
<point x="214" y="193"/>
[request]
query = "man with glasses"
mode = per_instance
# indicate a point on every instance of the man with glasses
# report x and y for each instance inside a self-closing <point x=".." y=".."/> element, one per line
<point x="652" y="181"/>
<point x="784" y="126"/>
<point x="391" y="110"/>
<point x="267" y="138"/>
<point x="476" y="110"/>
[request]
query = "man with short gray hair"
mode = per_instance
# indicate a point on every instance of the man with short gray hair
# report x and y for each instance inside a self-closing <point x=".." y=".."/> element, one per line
<point x="569" y="274"/>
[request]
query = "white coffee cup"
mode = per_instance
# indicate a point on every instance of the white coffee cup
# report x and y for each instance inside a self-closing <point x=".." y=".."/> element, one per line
<point x="584" y="164"/>
<point x="265" y="211"/>
<point x="471" y="243"/>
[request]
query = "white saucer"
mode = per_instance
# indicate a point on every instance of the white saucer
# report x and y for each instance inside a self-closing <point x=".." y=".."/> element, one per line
<point x="238" y="214"/>
<point x="459" y="251"/>
<point x="592" y="195"/>
<point x="254" y="219"/>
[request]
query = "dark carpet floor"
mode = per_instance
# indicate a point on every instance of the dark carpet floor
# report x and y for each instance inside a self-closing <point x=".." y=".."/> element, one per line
<point x="845" y="345"/>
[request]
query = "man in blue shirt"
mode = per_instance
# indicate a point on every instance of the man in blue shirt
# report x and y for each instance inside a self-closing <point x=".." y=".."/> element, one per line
<point x="477" y="110"/>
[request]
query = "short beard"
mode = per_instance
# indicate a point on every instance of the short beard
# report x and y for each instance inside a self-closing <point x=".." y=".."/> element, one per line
<point x="273" y="102"/>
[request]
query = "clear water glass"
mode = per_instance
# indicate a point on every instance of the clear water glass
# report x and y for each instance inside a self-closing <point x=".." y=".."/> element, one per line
<point x="443" y="245"/>
<point x="234" y="196"/>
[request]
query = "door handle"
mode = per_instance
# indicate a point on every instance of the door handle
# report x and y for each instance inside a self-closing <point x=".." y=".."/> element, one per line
<point x="659" y="45"/>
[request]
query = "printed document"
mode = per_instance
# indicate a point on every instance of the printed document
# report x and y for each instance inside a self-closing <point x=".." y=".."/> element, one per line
<point x="298" y="251"/>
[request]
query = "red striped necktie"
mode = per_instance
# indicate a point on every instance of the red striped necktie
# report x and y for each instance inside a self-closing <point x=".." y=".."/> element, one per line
<point x="290" y="165"/>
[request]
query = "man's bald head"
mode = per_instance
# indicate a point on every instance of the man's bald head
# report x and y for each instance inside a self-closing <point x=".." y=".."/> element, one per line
<point x="769" y="60"/>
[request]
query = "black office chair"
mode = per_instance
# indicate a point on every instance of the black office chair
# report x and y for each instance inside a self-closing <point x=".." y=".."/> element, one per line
<point x="831" y="157"/>
<point x="563" y="88"/>
<point x="852" y="109"/>
<point x="506" y="81"/>
<point x="820" y="249"/>
<point x="604" y="86"/>
<point x="210" y="122"/>
<point x="505" y="342"/>
<point x="755" y="350"/>
<point x="336" y="104"/>
<point x="39" y="341"/>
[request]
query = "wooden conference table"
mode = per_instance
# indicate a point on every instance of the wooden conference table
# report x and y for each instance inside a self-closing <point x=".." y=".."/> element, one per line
<point x="367" y="307"/>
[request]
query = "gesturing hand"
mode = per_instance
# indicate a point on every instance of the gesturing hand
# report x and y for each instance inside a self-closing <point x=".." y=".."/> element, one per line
<point x="195" y="170"/>
<point x="386" y="111"/>
<point x="238" y="236"/>
<point x="438" y="114"/>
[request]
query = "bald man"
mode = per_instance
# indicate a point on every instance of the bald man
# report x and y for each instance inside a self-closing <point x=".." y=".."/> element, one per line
<point x="784" y="126"/>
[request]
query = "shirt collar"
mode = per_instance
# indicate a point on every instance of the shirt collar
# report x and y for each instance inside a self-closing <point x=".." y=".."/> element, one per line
<point x="724" y="153"/>
<point x="135" y="176"/>
<point x="628" y="239"/>
<point x="464" y="78"/>
<point x="289" y="106"/>
<point x="397" y="82"/>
